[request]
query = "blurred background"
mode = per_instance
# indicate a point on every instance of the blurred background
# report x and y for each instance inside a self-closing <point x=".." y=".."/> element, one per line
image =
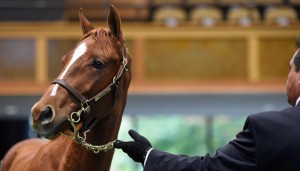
<point x="199" y="66"/>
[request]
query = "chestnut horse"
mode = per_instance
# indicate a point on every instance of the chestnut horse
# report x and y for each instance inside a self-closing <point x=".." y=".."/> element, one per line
<point x="85" y="102"/>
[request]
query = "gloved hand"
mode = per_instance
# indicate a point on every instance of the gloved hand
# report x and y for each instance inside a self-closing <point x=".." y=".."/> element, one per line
<point x="137" y="149"/>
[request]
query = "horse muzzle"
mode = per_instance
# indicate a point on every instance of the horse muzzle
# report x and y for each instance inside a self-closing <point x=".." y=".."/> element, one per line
<point x="51" y="130"/>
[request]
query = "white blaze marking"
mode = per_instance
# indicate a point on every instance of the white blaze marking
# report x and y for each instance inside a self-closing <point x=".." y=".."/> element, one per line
<point x="79" y="51"/>
<point x="54" y="90"/>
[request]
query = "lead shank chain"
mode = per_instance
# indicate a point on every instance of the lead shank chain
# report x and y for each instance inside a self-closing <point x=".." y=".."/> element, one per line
<point x="95" y="148"/>
<point x="82" y="141"/>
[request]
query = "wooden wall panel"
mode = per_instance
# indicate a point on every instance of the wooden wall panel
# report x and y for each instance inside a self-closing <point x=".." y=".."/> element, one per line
<point x="197" y="60"/>
<point x="17" y="59"/>
<point x="275" y="55"/>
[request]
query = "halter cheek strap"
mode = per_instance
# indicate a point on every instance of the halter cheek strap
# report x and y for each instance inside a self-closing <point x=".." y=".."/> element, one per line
<point x="86" y="104"/>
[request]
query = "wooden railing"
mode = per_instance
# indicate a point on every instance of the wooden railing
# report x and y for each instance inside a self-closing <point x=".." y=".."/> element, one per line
<point x="141" y="37"/>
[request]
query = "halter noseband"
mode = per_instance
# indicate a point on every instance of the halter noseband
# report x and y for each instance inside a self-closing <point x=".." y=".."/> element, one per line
<point x="86" y="103"/>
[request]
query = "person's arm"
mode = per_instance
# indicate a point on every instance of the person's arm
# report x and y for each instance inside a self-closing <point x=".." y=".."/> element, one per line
<point x="239" y="154"/>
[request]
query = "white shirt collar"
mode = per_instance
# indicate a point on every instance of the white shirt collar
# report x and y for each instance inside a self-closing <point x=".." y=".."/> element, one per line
<point x="298" y="100"/>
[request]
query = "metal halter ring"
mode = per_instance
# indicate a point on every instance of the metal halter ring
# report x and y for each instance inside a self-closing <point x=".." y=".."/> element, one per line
<point x="78" y="113"/>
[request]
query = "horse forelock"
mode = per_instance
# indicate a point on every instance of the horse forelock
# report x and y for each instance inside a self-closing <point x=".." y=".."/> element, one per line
<point x="101" y="34"/>
<point x="104" y="37"/>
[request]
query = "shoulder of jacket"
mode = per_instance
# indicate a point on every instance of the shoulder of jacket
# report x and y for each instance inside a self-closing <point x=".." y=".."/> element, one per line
<point x="272" y="114"/>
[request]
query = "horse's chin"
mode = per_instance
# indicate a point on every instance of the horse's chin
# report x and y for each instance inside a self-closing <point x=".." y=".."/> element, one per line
<point x="50" y="135"/>
<point x="52" y="130"/>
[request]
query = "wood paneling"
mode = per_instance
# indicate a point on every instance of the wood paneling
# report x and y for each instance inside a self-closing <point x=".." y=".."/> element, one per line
<point x="203" y="59"/>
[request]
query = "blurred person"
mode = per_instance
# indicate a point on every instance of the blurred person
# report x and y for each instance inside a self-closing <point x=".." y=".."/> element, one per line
<point x="269" y="141"/>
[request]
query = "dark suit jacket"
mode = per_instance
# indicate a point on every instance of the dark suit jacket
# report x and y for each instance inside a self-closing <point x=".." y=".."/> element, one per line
<point x="270" y="141"/>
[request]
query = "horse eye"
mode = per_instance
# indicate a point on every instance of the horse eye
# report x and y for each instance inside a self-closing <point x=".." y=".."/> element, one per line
<point x="98" y="64"/>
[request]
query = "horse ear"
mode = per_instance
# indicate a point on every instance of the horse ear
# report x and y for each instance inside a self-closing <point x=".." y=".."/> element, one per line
<point x="114" y="22"/>
<point x="86" y="26"/>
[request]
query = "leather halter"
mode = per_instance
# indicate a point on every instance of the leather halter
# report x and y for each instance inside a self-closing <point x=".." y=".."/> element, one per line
<point x="87" y="103"/>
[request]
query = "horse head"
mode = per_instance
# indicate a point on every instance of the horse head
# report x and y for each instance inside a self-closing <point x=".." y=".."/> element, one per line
<point x="93" y="83"/>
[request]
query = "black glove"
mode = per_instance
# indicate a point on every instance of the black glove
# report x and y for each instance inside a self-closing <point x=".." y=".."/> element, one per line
<point x="137" y="149"/>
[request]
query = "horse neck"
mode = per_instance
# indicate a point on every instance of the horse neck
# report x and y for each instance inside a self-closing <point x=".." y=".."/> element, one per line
<point x="104" y="132"/>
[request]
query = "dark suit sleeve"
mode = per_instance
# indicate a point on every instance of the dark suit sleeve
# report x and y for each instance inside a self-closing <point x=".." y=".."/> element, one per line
<point x="238" y="155"/>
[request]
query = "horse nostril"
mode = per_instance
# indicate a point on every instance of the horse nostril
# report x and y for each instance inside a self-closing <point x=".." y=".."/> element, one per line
<point x="46" y="115"/>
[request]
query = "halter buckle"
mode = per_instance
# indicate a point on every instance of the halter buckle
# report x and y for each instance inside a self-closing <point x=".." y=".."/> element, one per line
<point x="85" y="105"/>
<point x="114" y="79"/>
